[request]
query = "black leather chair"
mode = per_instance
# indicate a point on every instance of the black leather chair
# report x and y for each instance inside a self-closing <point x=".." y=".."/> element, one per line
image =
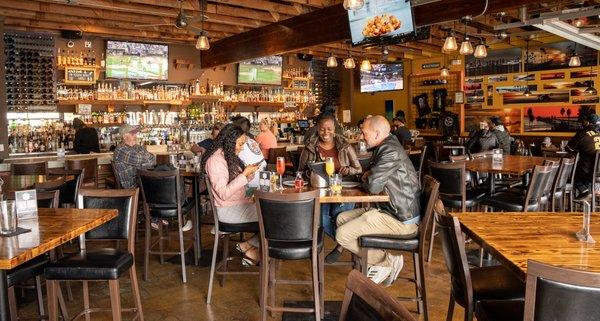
<point x="414" y="244"/>
<point x="106" y="264"/>
<point x="290" y="230"/>
<point x="470" y="285"/>
<point x="73" y="179"/>
<point x="553" y="293"/>
<point x="365" y="300"/>
<point x="517" y="202"/>
<point x="164" y="197"/>
<point x="453" y="190"/>
<point x="224" y="230"/>
<point x="443" y="152"/>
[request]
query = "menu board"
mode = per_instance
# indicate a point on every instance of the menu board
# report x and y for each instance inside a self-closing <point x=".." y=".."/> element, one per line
<point x="80" y="75"/>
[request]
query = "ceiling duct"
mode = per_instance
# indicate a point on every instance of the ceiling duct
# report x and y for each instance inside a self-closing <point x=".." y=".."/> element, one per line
<point x="567" y="31"/>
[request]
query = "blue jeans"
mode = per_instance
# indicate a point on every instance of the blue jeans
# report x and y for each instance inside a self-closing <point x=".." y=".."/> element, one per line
<point x="329" y="213"/>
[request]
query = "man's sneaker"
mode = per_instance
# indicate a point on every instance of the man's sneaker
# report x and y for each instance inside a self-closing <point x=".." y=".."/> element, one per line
<point x="378" y="273"/>
<point x="397" y="265"/>
<point x="187" y="226"/>
<point x="155" y="223"/>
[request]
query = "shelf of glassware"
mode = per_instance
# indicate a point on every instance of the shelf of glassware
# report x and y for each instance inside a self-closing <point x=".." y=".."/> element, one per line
<point x="124" y="102"/>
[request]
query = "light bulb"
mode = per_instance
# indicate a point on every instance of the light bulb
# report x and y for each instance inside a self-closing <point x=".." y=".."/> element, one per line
<point x="480" y="51"/>
<point x="365" y="65"/>
<point x="466" y="48"/>
<point x="527" y="92"/>
<point x="578" y="23"/>
<point x="591" y="90"/>
<point x="349" y="63"/>
<point x="450" y="44"/>
<point x="575" y="61"/>
<point x="202" y="43"/>
<point x="444" y="72"/>
<point x="353" y="4"/>
<point x="332" y="62"/>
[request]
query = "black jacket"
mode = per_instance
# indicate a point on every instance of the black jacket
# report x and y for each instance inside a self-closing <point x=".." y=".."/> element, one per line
<point x="481" y="140"/>
<point x="503" y="138"/>
<point x="393" y="172"/>
<point x="86" y="141"/>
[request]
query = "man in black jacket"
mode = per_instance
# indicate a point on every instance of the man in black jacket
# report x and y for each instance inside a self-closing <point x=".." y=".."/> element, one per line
<point x="587" y="142"/>
<point x="392" y="172"/>
<point x="86" y="138"/>
<point x="501" y="133"/>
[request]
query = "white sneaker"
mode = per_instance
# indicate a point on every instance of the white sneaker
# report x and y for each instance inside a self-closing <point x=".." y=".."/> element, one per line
<point x="378" y="273"/>
<point x="187" y="226"/>
<point x="397" y="265"/>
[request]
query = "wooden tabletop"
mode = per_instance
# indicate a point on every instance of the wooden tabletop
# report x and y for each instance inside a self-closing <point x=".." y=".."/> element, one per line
<point x="511" y="164"/>
<point x="21" y="182"/>
<point x="513" y="238"/>
<point x="348" y="195"/>
<point x="52" y="228"/>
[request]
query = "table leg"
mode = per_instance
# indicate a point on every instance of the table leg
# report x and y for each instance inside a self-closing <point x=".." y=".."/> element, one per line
<point x="198" y="247"/>
<point x="4" y="310"/>
<point x="492" y="181"/>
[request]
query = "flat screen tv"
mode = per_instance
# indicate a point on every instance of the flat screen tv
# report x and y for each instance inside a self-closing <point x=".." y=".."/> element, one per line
<point x="381" y="22"/>
<point x="260" y="71"/>
<point x="383" y="77"/>
<point x="135" y="60"/>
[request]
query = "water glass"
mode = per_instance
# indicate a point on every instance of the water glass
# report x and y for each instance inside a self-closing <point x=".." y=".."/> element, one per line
<point x="336" y="184"/>
<point x="8" y="217"/>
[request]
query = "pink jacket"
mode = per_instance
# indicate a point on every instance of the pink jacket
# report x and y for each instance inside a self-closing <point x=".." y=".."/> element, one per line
<point x="225" y="193"/>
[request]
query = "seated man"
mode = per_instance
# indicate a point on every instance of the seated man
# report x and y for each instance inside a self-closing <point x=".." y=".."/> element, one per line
<point x="586" y="142"/>
<point x="130" y="156"/>
<point x="391" y="171"/>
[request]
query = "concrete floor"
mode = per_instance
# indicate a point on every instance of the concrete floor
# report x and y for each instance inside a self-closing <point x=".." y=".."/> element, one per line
<point x="166" y="298"/>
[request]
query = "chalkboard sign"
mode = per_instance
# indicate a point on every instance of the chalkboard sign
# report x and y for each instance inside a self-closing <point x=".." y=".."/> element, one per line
<point x="80" y="75"/>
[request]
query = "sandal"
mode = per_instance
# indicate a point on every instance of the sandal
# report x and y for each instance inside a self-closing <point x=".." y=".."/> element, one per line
<point x="238" y="247"/>
<point x="249" y="262"/>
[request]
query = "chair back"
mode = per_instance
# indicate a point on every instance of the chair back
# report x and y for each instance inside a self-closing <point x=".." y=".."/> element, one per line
<point x="91" y="169"/>
<point x="443" y="153"/>
<point x="429" y="195"/>
<point x="115" y="175"/>
<point x="124" y="225"/>
<point x="276" y="152"/>
<point x="365" y="300"/>
<point x="72" y="186"/>
<point x="163" y="159"/>
<point x="453" y="248"/>
<point x="211" y="201"/>
<point x="418" y="160"/>
<point x="288" y="217"/>
<point x="557" y="293"/>
<point x="36" y="168"/>
<point x="564" y="174"/>
<point x="541" y="182"/>
<point x="161" y="188"/>
<point x="572" y="181"/>
<point x="452" y="179"/>
<point x="51" y="185"/>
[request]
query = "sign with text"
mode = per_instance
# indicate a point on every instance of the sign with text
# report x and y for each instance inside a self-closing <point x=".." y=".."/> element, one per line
<point x="84" y="109"/>
<point x="80" y="75"/>
<point x="26" y="204"/>
<point x="432" y="65"/>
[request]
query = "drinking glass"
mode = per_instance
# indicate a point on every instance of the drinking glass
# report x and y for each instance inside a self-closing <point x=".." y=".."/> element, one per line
<point x="280" y="166"/>
<point x="336" y="184"/>
<point x="329" y="166"/>
<point x="8" y="217"/>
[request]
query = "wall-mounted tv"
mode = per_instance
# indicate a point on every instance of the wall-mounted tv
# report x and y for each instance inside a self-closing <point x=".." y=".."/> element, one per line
<point x="135" y="60"/>
<point x="381" y="21"/>
<point x="260" y="71"/>
<point x="382" y="77"/>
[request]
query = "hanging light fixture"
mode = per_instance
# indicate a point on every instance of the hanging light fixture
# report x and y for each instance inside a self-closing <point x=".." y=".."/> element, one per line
<point x="527" y="92"/>
<point x="590" y="89"/>
<point x="480" y="50"/>
<point x="349" y="62"/>
<point x="332" y="61"/>
<point x="365" y="65"/>
<point x="202" y="43"/>
<point x="466" y="48"/>
<point x="353" y="4"/>
<point x="575" y="60"/>
<point x="444" y="72"/>
<point x="450" y="43"/>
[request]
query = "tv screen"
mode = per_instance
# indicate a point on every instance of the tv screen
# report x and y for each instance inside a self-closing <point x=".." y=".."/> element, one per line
<point x="260" y="71"/>
<point x="382" y="77"/>
<point x="134" y="60"/>
<point x="381" y="21"/>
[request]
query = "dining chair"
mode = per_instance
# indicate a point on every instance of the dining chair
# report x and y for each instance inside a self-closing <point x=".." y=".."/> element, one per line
<point x="163" y="197"/>
<point x="552" y="293"/>
<point x="105" y="264"/>
<point x="569" y="189"/>
<point x="113" y="182"/>
<point x="418" y="161"/>
<point x="443" y="152"/>
<point x="90" y="176"/>
<point x="414" y="244"/>
<point x="470" y="285"/>
<point x="289" y="231"/>
<point x="453" y="190"/>
<point x="73" y="180"/>
<point x="34" y="168"/>
<point x="365" y="300"/>
<point x="567" y="167"/>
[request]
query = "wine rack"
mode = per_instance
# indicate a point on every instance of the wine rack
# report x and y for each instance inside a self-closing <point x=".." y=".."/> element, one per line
<point x="29" y="72"/>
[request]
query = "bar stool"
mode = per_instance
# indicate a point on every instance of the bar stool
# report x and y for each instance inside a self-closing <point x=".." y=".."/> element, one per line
<point x="90" y="177"/>
<point x="36" y="168"/>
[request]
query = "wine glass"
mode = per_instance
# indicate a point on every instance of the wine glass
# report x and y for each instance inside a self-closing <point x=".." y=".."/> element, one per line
<point x="280" y="166"/>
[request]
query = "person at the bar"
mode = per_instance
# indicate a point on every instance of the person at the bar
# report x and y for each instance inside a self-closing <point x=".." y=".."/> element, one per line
<point x="86" y="138"/>
<point x="229" y="179"/>
<point x="266" y="139"/>
<point x="502" y="135"/>
<point x="586" y="141"/>
<point x="328" y="144"/>
<point x="207" y="144"/>
<point x="391" y="171"/>
<point x="130" y="156"/>
<point x="400" y="130"/>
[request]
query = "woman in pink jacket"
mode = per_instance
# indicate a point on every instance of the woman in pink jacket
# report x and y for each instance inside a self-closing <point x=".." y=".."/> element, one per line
<point x="229" y="180"/>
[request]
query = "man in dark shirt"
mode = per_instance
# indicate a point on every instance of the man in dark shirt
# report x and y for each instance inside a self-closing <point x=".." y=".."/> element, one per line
<point x="400" y="130"/>
<point x="586" y="142"/>
<point x="207" y="144"/>
<point x="86" y="138"/>
<point x="501" y="133"/>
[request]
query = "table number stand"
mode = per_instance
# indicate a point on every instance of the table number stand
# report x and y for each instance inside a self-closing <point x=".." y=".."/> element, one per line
<point x="584" y="235"/>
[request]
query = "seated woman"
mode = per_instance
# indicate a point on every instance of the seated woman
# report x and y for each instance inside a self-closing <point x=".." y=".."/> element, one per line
<point x="327" y="144"/>
<point x="266" y="139"/>
<point x="206" y="144"/>
<point x="229" y="180"/>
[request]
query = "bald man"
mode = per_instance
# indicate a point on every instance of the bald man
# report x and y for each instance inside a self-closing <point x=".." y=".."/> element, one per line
<point x="391" y="171"/>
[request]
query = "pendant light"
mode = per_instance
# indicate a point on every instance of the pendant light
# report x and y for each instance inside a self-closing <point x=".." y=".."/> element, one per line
<point x="202" y="43"/>
<point x="480" y="50"/>
<point x="575" y="60"/>
<point x="590" y="89"/>
<point x="527" y="92"/>
<point x="353" y="4"/>
<point x="332" y="61"/>
<point x="466" y="48"/>
<point x="349" y="62"/>
<point x="365" y="65"/>
<point x="444" y="72"/>
<point x="450" y="43"/>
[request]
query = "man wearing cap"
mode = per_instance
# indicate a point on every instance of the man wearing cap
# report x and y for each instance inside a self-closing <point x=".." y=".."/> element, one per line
<point x="501" y="133"/>
<point x="86" y="138"/>
<point x="586" y="142"/>
<point x="130" y="156"/>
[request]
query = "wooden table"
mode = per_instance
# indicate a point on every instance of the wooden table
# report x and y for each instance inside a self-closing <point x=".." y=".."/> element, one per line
<point x="511" y="165"/>
<point x="21" y="182"/>
<point x="52" y="228"/>
<point x="513" y="238"/>
<point x="348" y="195"/>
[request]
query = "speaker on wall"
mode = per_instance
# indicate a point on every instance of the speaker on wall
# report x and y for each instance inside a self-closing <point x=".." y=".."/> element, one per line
<point x="71" y="34"/>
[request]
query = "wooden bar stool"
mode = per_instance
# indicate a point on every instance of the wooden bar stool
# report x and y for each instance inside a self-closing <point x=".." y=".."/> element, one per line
<point x="36" y="168"/>
<point x="90" y="176"/>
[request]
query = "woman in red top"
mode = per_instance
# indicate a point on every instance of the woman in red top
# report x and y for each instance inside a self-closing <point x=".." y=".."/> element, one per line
<point x="266" y="139"/>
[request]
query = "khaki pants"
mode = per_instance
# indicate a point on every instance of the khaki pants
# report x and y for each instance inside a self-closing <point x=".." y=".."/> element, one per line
<point x="362" y="221"/>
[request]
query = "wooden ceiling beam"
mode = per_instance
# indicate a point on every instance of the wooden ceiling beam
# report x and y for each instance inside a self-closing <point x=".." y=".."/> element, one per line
<point x="265" y="5"/>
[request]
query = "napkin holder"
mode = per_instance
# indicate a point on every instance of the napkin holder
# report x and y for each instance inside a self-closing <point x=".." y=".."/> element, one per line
<point x="318" y="177"/>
